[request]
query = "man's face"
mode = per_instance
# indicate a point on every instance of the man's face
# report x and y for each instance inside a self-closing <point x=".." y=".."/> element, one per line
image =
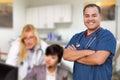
<point x="29" y="40"/>
<point x="92" y="18"/>
<point x="51" y="61"/>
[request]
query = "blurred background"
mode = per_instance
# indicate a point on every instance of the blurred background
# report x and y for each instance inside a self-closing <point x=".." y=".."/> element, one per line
<point x="56" y="22"/>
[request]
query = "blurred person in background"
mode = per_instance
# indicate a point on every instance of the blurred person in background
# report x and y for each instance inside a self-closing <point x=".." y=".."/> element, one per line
<point x="27" y="51"/>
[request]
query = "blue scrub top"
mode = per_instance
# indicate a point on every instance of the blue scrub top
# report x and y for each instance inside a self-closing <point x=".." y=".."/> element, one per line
<point x="101" y="39"/>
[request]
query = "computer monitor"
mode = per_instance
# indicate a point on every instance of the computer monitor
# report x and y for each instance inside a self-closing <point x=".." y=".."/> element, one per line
<point x="8" y="72"/>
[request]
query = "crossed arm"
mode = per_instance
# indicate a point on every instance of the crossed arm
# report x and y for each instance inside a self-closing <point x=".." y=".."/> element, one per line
<point x="88" y="57"/>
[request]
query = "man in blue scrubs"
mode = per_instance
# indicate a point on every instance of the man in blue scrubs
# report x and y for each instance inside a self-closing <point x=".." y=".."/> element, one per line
<point x="92" y="50"/>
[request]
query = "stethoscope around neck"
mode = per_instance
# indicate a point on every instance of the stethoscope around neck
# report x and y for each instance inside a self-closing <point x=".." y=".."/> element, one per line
<point x="89" y="43"/>
<point x="36" y="52"/>
<point x="29" y="67"/>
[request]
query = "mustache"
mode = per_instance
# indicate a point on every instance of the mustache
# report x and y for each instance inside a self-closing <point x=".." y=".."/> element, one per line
<point x="90" y="21"/>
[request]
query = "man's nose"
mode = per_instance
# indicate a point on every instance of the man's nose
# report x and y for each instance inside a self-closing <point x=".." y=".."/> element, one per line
<point x="90" y="18"/>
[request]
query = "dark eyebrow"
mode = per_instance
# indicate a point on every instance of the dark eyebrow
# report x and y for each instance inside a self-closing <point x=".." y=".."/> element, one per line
<point x="94" y="14"/>
<point x="88" y="14"/>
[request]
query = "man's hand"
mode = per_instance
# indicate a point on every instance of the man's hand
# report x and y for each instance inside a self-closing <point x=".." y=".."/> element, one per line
<point x="72" y="47"/>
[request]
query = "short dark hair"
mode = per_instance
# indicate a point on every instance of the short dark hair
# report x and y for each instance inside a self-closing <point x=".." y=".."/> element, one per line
<point x="92" y="5"/>
<point x="55" y="49"/>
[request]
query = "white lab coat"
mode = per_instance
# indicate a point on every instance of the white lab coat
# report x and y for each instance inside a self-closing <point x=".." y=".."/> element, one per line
<point x="37" y="58"/>
<point x="13" y="53"/>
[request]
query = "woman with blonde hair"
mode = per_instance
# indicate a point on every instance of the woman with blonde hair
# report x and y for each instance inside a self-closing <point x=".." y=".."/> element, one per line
<point x="30" y="51"/>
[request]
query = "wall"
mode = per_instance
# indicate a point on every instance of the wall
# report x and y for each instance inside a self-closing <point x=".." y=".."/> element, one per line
<point x="118" y="19"/>
<point x="6" y="34"/>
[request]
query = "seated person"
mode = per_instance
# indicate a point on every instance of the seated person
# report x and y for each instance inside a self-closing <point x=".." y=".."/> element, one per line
<point x="50" y="70"/>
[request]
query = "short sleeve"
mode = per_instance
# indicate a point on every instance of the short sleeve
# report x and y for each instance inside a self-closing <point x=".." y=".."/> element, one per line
<point x="107" y="42"/>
